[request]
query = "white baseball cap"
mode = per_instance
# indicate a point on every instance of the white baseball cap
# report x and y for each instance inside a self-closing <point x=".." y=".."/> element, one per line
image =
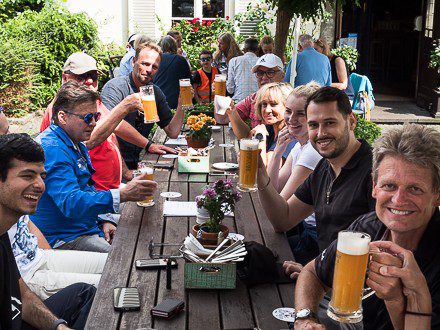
<point x="79" y="63"/>
<point x="269" y="61"/>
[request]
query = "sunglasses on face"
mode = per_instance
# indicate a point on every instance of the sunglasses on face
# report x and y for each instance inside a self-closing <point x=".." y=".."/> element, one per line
<point x="88" y="117"/>
<point x="205" y="59"/>
<point x="85" y="76"/>
<point x="269" y="74"/>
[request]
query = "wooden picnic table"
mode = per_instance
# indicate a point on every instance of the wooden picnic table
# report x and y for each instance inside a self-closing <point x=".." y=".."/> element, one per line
<point x="241" y="308"/>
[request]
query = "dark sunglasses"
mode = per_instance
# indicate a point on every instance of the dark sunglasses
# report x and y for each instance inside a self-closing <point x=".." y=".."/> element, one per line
<point x="205" y="59"/>
<point x="88" y="117"/>
<point x="85" y="76"/>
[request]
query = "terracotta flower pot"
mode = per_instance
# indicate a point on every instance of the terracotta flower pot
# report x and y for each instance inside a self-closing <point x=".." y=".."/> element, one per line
<point x="209" y="238"/>
<point x="197" y="144"/>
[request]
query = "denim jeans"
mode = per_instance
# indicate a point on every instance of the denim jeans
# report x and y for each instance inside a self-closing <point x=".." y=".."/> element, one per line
<point x="94" y="243"/>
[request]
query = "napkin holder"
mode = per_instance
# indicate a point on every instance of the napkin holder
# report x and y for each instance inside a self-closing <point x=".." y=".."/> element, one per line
<point x="187" y="163"/>
<point x="210" y="275"/>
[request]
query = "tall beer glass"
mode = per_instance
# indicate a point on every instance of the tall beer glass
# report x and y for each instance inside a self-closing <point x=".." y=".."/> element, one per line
<point x="220" y="84"/>
<point x="349" y="276"/>
<point x="145" y="168"/>
<point x="149" y="104"/>
<point x="247" y="176"/>
<point x="185" y="93"/>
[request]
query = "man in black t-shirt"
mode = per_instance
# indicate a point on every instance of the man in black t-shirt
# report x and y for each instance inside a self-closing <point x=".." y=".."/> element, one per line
<point x="21" y="186"/>
<point x="404" y="271"/>
<point x="339" y="189"/>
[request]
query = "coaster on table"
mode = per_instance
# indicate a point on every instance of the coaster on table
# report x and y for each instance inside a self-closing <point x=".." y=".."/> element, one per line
<point x="226" y="145"/>
<point x="170" y="156"/>
<point x="285" y="314"/>
<point x="171" y="194"/>
<point x="225" y="166"/>
<point x="236" y="237"/>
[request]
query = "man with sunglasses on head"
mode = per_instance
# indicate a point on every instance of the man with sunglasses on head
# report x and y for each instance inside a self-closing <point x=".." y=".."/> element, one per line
<point x="103" y="146"/>
<point x="268" y="69"/>
<point x="68" y="211"/>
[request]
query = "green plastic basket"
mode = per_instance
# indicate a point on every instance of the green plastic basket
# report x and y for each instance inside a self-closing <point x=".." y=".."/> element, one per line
<point x="210" y="275"/>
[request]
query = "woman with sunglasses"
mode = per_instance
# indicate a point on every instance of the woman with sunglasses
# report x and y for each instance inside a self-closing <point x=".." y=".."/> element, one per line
<point x="340" y="73"/>
<point x="227" y="49"/>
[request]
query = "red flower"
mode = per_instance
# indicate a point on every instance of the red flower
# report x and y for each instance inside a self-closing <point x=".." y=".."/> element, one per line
<point x="227" y="17"/>
<point x="194" y="20"/>
<point x="208" y="23"/>
<point x="195" y="28"/>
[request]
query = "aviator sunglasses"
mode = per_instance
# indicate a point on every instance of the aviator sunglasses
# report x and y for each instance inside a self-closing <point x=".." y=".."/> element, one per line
<point x="205" y="59"/>
<point x="88" y="117"/>
<point x="85" y="76"/>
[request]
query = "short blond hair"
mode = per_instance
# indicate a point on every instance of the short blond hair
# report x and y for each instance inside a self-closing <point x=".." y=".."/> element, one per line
<point x="147" y="44"/>
<point x="305" y="90"/>
<point x="278" y="91"/>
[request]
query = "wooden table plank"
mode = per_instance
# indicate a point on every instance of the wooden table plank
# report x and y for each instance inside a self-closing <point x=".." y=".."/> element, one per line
<point x="146" y="280"/>
<point x="176" y="228"/>
<point x="117" y="268"/>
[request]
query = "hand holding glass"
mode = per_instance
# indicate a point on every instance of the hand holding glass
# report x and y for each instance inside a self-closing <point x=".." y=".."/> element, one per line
<point x="145" y="168"/>
<point x="149" y="104"/>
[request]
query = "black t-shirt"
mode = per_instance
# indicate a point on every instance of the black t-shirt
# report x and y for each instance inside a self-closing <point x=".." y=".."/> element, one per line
<point x="10" y="298"/>
<point x="427" y="256"/>
<point x="338" y="202"/>
<point x="114" y="92"/>
<point x="197" y="80"/>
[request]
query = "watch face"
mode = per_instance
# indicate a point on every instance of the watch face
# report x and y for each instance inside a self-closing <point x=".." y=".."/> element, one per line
<point x="303" y="313"/>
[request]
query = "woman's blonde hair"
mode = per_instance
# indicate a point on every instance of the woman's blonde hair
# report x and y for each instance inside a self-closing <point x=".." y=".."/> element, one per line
<point x="321" y="42"/>
<point x="233" y="49"/>
<point x="277" y="91"/>
<point x="305" y="90"/>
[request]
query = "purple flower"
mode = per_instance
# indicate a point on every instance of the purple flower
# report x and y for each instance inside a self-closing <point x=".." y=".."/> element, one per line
<point x="237" y="195"/>
<point x="210" y="193"/>
<point x="228" y="184"/>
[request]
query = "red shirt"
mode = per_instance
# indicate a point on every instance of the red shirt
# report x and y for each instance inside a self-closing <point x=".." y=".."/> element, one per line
<point x="246" y="110"/>
<point x="106" y="158"/>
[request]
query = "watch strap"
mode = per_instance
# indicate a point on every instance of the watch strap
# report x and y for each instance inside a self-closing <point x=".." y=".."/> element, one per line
<point x="56" y="323"/>
<point x="150" y="142"/>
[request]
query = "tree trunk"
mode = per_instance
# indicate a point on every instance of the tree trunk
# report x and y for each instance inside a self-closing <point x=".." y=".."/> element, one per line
<point x="282" y="30"/>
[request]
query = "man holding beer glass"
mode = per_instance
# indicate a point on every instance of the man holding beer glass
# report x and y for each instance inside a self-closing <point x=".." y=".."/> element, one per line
<point x="145" y="66"/>
<point x="404" y="269"/>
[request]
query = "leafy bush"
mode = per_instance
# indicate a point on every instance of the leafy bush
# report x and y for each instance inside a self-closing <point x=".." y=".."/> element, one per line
<point x="435" y="59"/>
<point x="349" y="54"/>
<point x="202" y="34"/>
<point x="34" y="47"/>
<point x="11" y="8"/>
<point x="366" y="130"/>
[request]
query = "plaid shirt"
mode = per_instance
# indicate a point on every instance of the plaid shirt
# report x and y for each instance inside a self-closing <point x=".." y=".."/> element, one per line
<point x="241" y="81"/>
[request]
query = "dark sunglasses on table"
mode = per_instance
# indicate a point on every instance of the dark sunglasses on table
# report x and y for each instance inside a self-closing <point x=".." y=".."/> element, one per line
<point x="205" y="59"/>
<point x="85" y="76"/>
<point x="88" y="117"/>
<point x="269" y="74"/>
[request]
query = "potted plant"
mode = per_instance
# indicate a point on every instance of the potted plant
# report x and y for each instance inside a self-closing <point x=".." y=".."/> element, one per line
<point x="217" y="199"/>
<point x="199" y="130"/>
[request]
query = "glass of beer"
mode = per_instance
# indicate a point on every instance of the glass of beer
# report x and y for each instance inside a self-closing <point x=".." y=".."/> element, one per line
<point x="145" y="168"/>
<point x="220" y="84"/>
<point x="185" y="93"/>
<point x="349" y="277"/>
<point x="247" y="176"/>
<point x="149" y="104"/>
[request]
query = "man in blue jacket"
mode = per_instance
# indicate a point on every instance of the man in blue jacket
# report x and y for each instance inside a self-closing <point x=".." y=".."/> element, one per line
<point x="68" y="210"/>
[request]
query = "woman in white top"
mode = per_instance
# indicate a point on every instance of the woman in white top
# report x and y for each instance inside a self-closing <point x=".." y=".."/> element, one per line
<point x="302" y="160"/>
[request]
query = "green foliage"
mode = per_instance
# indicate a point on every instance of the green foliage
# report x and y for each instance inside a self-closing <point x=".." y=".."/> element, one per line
<point x="34" y="47"/>
<point x="435" y="59"/>
<point x="11" y="8"/>
<point x="349" y="54"/>
<point x="202" y="34"/>
<point x="366" y="130"/>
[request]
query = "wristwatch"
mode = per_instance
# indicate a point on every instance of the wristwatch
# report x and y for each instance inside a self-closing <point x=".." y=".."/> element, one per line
<point x="150" y="142"/>
<point x="304" y="314"/>
<point x="56" y="323"/>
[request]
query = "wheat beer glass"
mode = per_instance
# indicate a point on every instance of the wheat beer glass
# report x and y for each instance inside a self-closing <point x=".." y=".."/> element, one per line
<point x="185" y="93"/>
<point x="247" y="176"/>
<point x="145" y="168"/>
<point x="149" y="104"/>
<point x="220" y="84"/>
<point x="349" y="276"/>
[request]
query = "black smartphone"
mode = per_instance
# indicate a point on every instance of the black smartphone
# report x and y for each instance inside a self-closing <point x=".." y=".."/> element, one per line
<point x="126" y="299"/>
<point x="154" y="263"/>
<point x="166" y="165"/>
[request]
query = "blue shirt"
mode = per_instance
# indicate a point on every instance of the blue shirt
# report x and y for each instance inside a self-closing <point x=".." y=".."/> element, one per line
<point x="70" y="204"/>
<point x="126" y="64"/>
<point x="311" y="65"/>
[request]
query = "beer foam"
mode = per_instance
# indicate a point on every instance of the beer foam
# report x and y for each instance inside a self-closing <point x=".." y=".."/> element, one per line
<point x="184" y="83"/>
<point x="147" y="97"/>
<point x="248" y="144"/>
<point x="146" y="170"/>
<point x="220" y="77"/>
<point x="353" y="243"/>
